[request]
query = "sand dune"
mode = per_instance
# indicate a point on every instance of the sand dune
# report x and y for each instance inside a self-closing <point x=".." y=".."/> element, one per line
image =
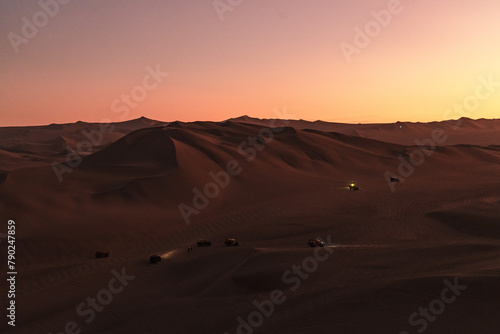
<point x="482" y="132"/>
<point x="50" y="143"/>
<point x="393" y="251"/>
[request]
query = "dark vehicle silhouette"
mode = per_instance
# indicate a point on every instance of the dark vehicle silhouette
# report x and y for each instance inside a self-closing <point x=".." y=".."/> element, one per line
<point x="231" y="242"/>
<point x="154" y="259"/>
<point x="100" y="254"/>
<point x="316" y="243"/>
<point x="204" y="243"/>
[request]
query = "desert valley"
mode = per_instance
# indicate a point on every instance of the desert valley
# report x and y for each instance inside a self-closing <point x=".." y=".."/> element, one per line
<point x="418" y="255"/>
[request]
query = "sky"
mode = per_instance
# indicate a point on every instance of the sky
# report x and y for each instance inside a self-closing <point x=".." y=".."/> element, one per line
<point x="360" y="61"/>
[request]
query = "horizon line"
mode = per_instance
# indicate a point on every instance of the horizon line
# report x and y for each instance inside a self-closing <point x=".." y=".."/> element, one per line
<point x="108" y="121"/>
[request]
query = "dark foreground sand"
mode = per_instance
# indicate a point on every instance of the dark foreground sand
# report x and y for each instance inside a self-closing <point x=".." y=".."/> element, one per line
<point x="422" y="258"/>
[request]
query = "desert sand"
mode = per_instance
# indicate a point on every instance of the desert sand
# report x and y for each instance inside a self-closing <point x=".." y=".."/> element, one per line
<point x="421" y="255"/>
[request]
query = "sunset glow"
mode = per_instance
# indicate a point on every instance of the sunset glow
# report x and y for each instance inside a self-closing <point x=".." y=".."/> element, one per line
<point x="262" y="56"/>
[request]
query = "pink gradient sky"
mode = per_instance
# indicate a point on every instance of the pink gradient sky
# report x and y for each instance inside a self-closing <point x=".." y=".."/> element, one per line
<point x="263" y="56"/>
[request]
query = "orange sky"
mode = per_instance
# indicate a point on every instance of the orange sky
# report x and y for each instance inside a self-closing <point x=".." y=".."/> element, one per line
<point x="264" y="55"/>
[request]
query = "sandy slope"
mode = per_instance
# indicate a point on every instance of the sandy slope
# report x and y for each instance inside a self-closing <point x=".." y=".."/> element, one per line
<point x="441" y="223"/>
<point x="42" y="145"/>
